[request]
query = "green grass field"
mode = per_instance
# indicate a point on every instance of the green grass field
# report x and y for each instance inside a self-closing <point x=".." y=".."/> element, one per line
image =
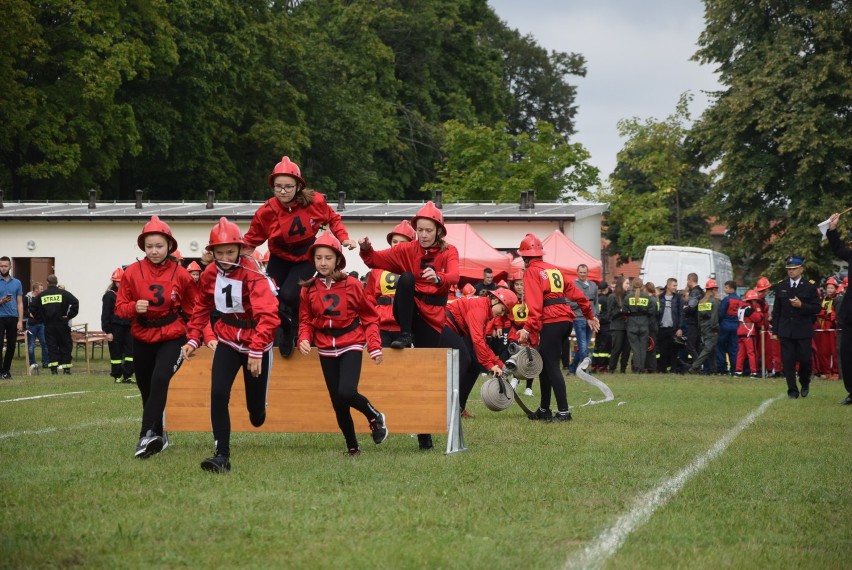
<point x="524" y="494"/>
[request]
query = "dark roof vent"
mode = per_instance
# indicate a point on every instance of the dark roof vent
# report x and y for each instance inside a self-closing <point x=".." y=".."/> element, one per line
<point x="341" y="201"/>
<point x="439" y="199"/>
<point x="138" y="198"/>
<point x="524" y="205"/>
<point x="211" y="197"/>
<point x="92" y="197"/>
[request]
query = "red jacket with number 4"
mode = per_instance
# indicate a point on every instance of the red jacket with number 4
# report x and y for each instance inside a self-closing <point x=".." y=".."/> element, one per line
<point x="544" y="287"/>
<point x="170" y="292"/>
<point x="380" y="290"/>
<point x="469" y="317"/>
<point x="247" y="303"/>
<point x="411" y="257"/>
<point x="291" y="230"/>
<point x="336" y="317"/>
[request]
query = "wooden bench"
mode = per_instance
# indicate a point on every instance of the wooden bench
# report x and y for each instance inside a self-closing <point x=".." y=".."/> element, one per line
<point x="81" y="336"/>
<point x="416" y="389"/>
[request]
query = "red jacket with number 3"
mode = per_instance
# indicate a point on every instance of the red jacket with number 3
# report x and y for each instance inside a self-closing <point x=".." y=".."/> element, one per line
<point x="240" y="294"/>
<point x="170" y="292"/>
<point x="291" y="230"/>
<point x="411" y="257"/>
<point x="328" y="313"/>
<point x="544" y="286"/>
<point x="469" y="318"/>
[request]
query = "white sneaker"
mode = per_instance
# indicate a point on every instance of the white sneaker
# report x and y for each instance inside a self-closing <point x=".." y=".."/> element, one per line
<point x="33" y="366"/>
<point x="528" y="392"/>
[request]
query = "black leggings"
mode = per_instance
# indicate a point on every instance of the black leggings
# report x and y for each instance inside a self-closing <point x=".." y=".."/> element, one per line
<point x="155" y="365"/>
<point x="342" y="374"/>
<point x="406" y="314"/>
<point x="226" y="363"/>
<point x="469" y="366"/>
<point x="553" y="336"/>
<point x="287" y="275"/>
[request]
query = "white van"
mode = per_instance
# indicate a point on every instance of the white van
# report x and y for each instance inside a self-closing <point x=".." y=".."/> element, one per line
<point x="664" y="261"/>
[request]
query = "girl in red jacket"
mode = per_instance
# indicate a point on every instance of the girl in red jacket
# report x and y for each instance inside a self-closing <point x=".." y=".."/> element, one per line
<point x="248" y="318"/>
<point x="465" y="331"/>
<point x="290" y="222"/>
<point x="752" y="319"/>
<point x="547" y="292"/>
<point x="427" y="268"/>
<point x="154" y="293"/>
<point x="381" y="287"/>
<point x="335" y="316"/>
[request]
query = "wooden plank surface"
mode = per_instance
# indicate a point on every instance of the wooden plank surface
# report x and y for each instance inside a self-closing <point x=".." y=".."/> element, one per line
<point x="409" y="387"/>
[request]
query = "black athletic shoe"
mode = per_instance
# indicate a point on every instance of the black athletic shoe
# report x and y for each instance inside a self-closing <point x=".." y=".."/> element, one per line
<point x="354" y="452"/>
<point x="425" y="440"/>
<point x="561" y="417"/>
<point x="847" y="401"/>
<point x="149" y="444"/>
<point x="5" y="375"/>
<point x="54" y="370"/>
<point x="541" y="414"/>
<point x="217" y="464"/>
<point x="405" y="340"/>
<point x="378" y="429"/>
<point x="805" y="391"/>
<point x="66" y="371"/>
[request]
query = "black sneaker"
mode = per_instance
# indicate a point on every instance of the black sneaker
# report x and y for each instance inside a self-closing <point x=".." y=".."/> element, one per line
<point x="354" y="452"/>
<point x="149" y="444"/>
<point x="5" y="375"/>
<point x="405" y="340"/>
<point x="217" y="464"/>
<point x="54" y="370"/>
<point x="561" y="417"/>
<point x="66" y="371"/>
<point x="288" y="341"/>
<point x="425" y="440"/>
<point x="378" y="429"/>
<point x="541" y="414"/>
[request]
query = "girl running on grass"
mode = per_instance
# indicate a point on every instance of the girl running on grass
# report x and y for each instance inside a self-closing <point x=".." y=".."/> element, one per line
<point x="248" y="318"/>
<point x="335" y="316"/>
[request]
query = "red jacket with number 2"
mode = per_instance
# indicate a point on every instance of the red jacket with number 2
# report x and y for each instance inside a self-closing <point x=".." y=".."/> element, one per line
<point x="411" y="257"/>
<point x="544" y="284"/>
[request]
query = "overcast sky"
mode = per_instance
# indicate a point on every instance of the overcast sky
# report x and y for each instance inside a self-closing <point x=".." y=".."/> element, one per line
<point x="637" y="60"/>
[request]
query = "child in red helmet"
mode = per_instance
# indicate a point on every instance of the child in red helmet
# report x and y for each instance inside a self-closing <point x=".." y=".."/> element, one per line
<point x="155" y="292"/>
<point x="752" y="319"/>
<point x="336" y="317"/>
<point x="381" y="287"/>
<point x="119" y="339"/>
<point x="825" y="333"/>
<point x="289" y="222"/>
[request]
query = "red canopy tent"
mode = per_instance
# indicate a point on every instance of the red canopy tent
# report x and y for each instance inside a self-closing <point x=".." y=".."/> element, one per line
<point x="566" y="255"/>
<point x="475" y="254"/>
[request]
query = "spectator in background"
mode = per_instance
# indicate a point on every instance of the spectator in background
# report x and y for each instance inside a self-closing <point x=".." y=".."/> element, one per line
<point x="689" y="318"/>
<point x="55" y="307"/>
<point x="117" y="330"/>
<point x="641" y="311"/>
<point x="35" y="329"/>
<point x="603" y="340"/>
<point x="618" y="325"/>
<point x="11" y="314"/>
<point x="582" y="330"/>
<point x="653" y="328"/>
<point x="708" y="321"/>
<point x="668" y="322"/>
<point x="728" y="343"/>
<point x="487" y="283"/>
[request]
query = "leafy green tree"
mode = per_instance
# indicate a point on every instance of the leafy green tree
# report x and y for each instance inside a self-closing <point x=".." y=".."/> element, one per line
<point x="778" y="136"/>
<point x="485" y="163"/>
<point x="656" y="187"/>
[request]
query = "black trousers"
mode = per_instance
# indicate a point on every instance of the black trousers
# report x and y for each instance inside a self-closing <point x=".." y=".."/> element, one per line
<point x="58" y="335"/>
<point x="693" y="340"/>
<point x="121" y="352"/>
<point x="226" y="363"/>
<point x="406" y="314"/>
<point x="155" y="365"/>
<point x="553" y="337"/>
<point x="342" y="374"/>
<point x="9" y="331"/>
<point x="845" y="352"/>
<point x="620" y="350"/>
<point x="287" y="275"/>
<point x="795" y="350"/>
<point x="469" y="366"/>
<point x="666" y="349"/>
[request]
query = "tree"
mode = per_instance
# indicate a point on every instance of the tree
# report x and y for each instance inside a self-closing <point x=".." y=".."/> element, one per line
<point x="485" y="163"/>
<point x="655" y="188"/>
<point x="779" y="134"/>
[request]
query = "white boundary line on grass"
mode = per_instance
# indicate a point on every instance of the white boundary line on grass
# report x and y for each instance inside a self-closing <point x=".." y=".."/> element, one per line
<point x="44" y="396"/>
<point x="606" y="544"/>
<point x="97" y="423"/>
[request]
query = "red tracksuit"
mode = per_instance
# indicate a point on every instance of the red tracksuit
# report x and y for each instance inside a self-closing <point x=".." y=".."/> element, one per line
<point x="380" y="290"/>
<point x="825" y="339"/>
<point x="469" y="318"/>
<point x="748" y="333"/>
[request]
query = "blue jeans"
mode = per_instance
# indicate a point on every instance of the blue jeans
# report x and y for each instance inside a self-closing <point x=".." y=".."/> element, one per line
<point x="584" y="335"/>
<point x="37" y="332"/>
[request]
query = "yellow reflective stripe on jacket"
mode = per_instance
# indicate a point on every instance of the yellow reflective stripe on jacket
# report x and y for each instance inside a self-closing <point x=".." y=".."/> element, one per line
<point x="705" y="306"/>
<point x="640" y="302"/>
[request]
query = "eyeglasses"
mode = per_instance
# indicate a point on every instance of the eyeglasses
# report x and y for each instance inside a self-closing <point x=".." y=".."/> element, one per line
<point x="282" y="189"/>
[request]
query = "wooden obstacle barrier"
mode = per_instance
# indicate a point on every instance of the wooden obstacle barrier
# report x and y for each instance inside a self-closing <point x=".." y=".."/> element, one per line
<point x="416" y="389"/>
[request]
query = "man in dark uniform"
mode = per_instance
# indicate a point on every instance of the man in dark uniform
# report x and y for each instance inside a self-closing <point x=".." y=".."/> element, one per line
<point x="793" y="315"/>
<point x="55" y="307"/>
<point x="689" y="319"/>
<point x="844" y="312"/>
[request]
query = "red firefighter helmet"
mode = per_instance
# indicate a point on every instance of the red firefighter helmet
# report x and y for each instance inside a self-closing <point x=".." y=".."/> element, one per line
<point x="157" y="226"/>
<point x="468" y="290"/>
<point x="223" y="233"/>
<point x="403" y="229"/>
<point x="193" y="267"/>
<point x="711" y="284"/>
<point x="117" y="274"/>
<point x="751" y="295"/>
<point x="328" y="240"/>
<point x="505" y="296"/>
<point x="502" y="283"/>
<point x="763" y="284"/>
<point x="431" y="212"/>
<point x="288" y="168"/>
<point x="832" y="281"/>
<point x="531" y="247"/>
